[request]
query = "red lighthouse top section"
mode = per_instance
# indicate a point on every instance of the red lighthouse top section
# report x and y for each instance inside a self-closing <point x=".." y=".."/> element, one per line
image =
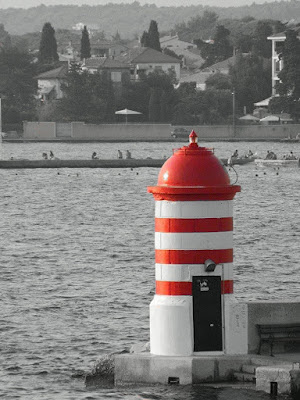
<point x="195" y="172"/>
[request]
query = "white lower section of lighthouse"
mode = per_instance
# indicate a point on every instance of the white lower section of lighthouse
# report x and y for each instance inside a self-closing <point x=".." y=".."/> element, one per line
<point x="171" y="331"/>
<point x="171" y="326"/>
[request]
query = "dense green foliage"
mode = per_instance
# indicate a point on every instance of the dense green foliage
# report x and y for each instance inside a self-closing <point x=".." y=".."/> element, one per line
<point x="85" y="48"/>
<point x="198" y="27"/>
<point x="87" y="97"/>
<point x="5" y="38"/>
<point x="288" y="87"/>
<point x="151" y="38"/>
<point x="202" y="107"/>
<point x="218" y="50"/>
<point x="233" y="36"/>
<point x="91" y="97"/>
<point x="130" y="19"/>
<point x="48" y="46"/>
<point x="17" y="86"/>
<point x="250" y="78"/>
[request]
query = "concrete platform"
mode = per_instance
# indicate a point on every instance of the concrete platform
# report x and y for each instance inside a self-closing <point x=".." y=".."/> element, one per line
<point x="278" y="379"/>
<point x="144" y="368"/>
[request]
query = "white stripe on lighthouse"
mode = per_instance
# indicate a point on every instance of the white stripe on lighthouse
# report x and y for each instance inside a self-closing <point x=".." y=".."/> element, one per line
<point x="193" y="209"/>
<point x="185" y="273"/>
<point x="193" y="241"/>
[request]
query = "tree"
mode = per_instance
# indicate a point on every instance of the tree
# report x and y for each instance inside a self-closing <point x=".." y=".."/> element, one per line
<point x="117" y="37"/>
<point x="5" y="38"/>
<point x="164" y="107"/>
<point x="76" y="101"/>
<point x="218" y="81"/>
<point x="154" y="105"/>
<point x="17" y="85"/>
<point x="87" y="97"/>
<point x="261" y="45"/>
<point x="85" y="49"/>
<point x="145" y="39"/>
<point x="290" y="74"/>
<point x="218" y="49"/>
<point x="151" y="38"/>
<point x="250" y="78"/>
<point x="198" y="27"/>
<point x="48" y="46"/>
<point x="288" y="86"/>
<point x="222" y="47"/>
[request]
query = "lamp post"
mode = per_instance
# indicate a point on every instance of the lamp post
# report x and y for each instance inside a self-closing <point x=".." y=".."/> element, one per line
<point x="233" y="111"/>
<point x="0" y="128"/>
<point x="1" y="118"/>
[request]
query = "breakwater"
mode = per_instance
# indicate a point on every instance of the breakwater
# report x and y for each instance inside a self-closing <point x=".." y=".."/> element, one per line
<point x="56" y="163"/>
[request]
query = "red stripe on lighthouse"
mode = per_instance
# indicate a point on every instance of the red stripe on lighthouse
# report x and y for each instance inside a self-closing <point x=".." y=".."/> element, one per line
<point x="178" y="225"/>
<point x="193" y="256"/>
<point x="165" y="288"/>
<point x="227" y="287"/>
<point x="174" y="288"/>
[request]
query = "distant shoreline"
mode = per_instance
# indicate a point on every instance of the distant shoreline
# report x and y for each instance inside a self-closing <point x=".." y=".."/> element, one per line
<point x="180" y="140"/>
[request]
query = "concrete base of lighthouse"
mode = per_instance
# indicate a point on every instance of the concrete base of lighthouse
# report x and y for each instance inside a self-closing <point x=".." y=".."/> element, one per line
<point x="149" y="369"/>
<point x="170" y="336"/>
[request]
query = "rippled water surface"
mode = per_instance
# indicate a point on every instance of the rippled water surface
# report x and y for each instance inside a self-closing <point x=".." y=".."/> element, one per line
<point x="77" y="263"/>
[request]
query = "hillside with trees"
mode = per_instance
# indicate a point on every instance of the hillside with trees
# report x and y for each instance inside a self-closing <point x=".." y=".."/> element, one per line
<point x="130" y="19"/>
<point x="154" y="94"/>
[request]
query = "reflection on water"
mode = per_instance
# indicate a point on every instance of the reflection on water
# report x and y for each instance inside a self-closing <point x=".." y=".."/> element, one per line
<point x="77" y="264"/>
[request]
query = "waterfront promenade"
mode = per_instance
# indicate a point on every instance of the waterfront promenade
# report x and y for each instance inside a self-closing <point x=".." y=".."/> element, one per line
<point x="80" y="132"/>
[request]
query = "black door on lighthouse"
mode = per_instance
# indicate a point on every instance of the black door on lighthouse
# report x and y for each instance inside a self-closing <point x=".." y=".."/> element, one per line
<point x="207" y="313"/>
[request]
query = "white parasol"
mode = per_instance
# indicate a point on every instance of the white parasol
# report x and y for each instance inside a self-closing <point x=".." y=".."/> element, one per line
<point x="249" y="117"/>
<point x="270" y="118"/>
<point x="127" y="112"/>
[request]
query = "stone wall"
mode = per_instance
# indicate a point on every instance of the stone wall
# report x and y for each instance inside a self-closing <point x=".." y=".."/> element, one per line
<point x="39" y="130"/>
<point x="247" y="132"/>
<point x="154" y="132"/>
<point x="121" y="132"/>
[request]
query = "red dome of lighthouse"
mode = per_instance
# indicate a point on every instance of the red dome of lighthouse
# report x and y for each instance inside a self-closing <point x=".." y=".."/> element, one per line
<point x="193" y="166"/>
<point x="194" y="171"/>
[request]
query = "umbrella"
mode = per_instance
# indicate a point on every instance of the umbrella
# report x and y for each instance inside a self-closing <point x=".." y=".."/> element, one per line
<point x="263" y="103"/>
<point x="270" y="118"/>
<point x="249" y="117"/>
<point x="127" y="112"/>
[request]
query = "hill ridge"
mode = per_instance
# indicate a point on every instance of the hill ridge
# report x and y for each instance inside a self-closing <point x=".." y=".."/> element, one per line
<point x="111" y="17"/>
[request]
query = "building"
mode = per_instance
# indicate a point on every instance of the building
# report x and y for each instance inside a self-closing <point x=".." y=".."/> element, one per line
<point x="201" y="76"/>
<point x="277" y="61"/>
<point x="145" y="59"/>
<point x="188" y="52"/>
<point x="49" y="83"/>
<point x="115" y="68"/>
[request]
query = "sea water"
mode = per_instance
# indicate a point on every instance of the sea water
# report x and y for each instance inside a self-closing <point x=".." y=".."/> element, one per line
<point x="77" y="263"/>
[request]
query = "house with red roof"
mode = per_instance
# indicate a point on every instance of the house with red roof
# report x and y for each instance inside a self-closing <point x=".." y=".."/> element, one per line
<point x="115" y="68"/>
<point x="146" y="60"/>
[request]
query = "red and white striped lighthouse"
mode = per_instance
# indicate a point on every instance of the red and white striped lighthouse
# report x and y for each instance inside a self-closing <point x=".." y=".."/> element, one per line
<point x="193" y="253"/>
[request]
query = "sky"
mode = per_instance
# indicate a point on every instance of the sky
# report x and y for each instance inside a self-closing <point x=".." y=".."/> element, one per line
<point x="159" y="3"/>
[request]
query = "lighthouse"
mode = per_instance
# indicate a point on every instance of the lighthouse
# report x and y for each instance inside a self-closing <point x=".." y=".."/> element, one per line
<point x="190" y="312"/>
